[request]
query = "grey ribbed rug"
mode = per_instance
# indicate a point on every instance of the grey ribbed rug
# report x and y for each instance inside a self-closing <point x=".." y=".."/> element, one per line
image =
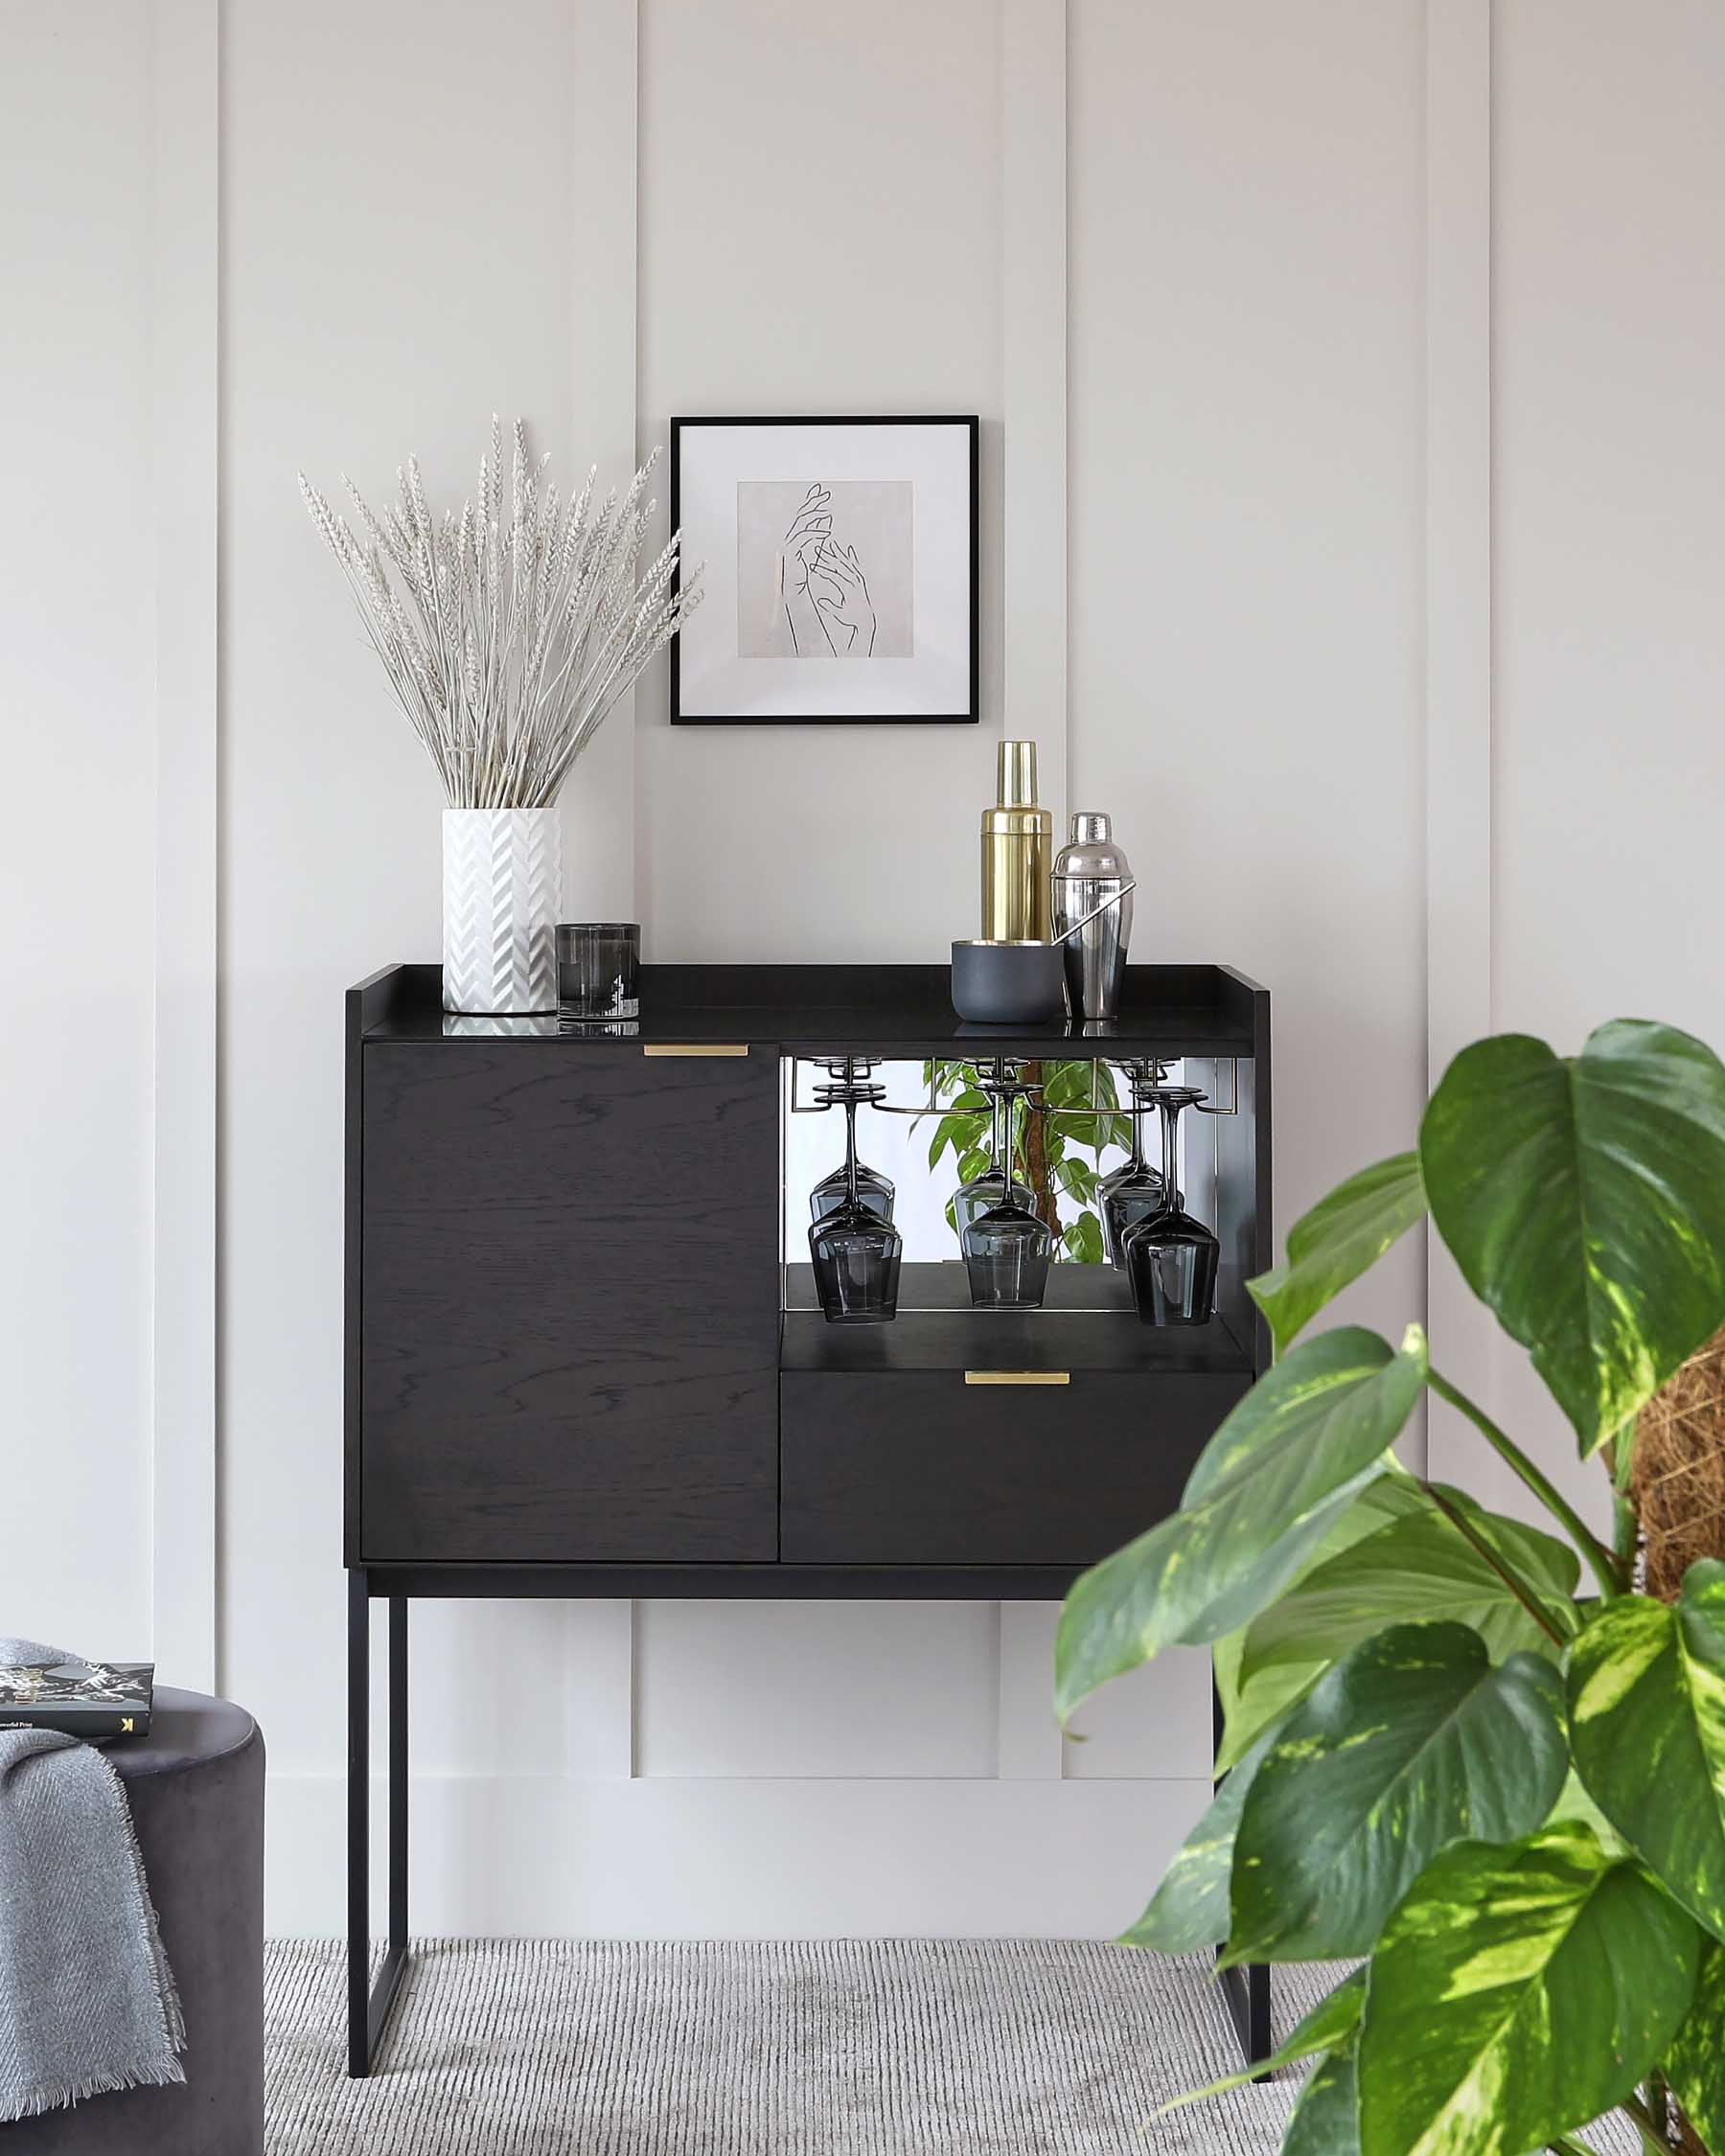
<point x="776" y="2048"/>
<point x="767" y="2048"/>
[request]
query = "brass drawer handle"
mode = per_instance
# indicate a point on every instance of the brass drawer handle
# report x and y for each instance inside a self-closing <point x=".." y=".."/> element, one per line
<point x="694" y="1048"/>
<point x="1018" y="1377"/>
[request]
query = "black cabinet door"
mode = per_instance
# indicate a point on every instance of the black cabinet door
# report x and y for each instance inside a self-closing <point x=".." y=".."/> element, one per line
<point x="569" y="1321"/>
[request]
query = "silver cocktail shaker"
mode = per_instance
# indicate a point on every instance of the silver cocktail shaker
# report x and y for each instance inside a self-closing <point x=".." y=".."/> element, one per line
<point x="1088" y="873"/>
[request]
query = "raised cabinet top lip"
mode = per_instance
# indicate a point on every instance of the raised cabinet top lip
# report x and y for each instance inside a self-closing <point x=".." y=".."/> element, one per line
<point x="887" y="1010"/>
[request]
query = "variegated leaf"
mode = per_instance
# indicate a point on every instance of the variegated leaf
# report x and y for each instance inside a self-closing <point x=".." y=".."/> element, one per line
<point x="1189" y="1909"/>
<point x="1516" y="1993"/>
<point x="1307" y="1437"/>
<point x="1330" y="2024"/>
<point x="1412" y="1742"/>
<point x="1326" y="2118"/>
<point x="1646" y="1696"/>
<point x="1255" y="1703"/>
<point x="1695" y="2063"/>
<point x="1584" y="1200"/>
<point x="1419" y="1567"/>
<point x="1342" y="1236"/>
<point x="1575" y="1805"/>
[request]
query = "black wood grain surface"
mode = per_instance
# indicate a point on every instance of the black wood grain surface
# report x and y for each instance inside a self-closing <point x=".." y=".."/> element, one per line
<point x="919" y="1468"/>
<point x="1074" y="1340"/>
<point x="878" y="1010"/>
<point x="570" y="1291"/>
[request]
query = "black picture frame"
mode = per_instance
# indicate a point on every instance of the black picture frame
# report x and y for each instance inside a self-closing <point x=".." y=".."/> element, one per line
<point x="971" y="422"/>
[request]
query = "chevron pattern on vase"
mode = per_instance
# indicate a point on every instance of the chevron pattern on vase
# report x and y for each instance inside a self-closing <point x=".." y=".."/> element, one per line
<point x="502" y="877"/>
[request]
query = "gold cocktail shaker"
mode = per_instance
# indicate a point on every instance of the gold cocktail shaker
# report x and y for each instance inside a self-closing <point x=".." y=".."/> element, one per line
<point x="1018" y="839"/>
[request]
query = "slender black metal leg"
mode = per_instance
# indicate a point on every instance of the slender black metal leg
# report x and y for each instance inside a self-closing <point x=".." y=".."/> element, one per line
<point x="1247" y="1989"/>
<point x="368" y="2006"/>
<point x="358" y="1765"/>
<point x="397" y="1773"/>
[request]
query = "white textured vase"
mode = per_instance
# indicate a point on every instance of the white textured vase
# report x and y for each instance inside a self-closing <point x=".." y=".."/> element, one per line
<point x="502" y="890"/>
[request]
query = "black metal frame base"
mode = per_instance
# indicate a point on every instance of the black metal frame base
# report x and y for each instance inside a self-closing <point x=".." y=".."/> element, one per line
<point x="1246" y="1990"/>
<point x="369" y="2004"/>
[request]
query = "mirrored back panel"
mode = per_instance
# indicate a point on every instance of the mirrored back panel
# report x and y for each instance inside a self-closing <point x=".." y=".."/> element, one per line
<point x="932" y="1135"/>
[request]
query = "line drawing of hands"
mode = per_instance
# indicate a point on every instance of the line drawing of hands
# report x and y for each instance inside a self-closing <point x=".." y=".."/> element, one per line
<point x="841" y="591"/>
<point x="810" y="530"/>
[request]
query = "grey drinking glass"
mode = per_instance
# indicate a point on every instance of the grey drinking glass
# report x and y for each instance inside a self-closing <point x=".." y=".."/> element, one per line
<point x="1132" y="1192"/>
<point x="853" y="1252"/>
<point x="1006" y="1257"/>
<point x="1172" y="1258"/>
<point x="598" y="971"/>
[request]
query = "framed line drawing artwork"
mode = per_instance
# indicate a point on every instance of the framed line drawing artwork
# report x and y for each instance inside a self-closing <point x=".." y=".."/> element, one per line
<point x="840" y="580"/>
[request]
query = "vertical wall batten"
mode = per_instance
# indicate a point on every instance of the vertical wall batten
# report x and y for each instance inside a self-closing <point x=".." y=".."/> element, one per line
<point x="1458" y="596"/>
<point x="185" y="309"/>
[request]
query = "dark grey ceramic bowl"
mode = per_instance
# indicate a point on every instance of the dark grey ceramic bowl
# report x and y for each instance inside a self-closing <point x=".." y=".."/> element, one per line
<point x="1007" y="983"/>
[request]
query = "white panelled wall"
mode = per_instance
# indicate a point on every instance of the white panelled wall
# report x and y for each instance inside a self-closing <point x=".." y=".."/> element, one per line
<point x="1349" y="377"/>
<point x="77" y="684"/>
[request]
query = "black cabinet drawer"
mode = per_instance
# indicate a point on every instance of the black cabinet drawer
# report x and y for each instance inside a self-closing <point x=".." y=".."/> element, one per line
<point x="569" y="1305"/>
<point x="920" y="1467"/>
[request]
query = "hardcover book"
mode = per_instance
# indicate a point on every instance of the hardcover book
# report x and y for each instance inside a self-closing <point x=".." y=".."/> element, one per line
<point x="92" y="1700"/>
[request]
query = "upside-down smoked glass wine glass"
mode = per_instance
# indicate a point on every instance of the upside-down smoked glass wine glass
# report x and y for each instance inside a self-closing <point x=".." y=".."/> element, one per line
<point x="1007" y="1247"/>
<point x="854" y="1253"/>
<point x="874" y="1190"/>
<point x="1171" y="1257"/>
<point x="994" y="1185"/>
<point x="1006" y="1255"/>
<point x="1134" y="1191"/>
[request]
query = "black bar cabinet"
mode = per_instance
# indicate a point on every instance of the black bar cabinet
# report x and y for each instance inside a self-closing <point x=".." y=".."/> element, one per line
<point x="576" y="1362"/>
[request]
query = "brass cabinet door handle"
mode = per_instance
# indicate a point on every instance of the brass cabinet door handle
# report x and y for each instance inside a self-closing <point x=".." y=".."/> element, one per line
<point x="1018" y="1377"/>
<point x="694" y="1047"/>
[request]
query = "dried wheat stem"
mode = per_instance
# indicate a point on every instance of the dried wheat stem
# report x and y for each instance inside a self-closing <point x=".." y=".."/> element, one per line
<point x="506" y="639"/>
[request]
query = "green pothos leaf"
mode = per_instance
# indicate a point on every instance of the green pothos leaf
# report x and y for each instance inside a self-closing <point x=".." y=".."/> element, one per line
<point x="1584" y="1200"/>
<point x="1069" y="1084"/>
<point x="1695" y="2063"/>
<point x="959" y="1132"/>
<point x="1574" y="1805"/>
<point x="1078" y="1179"/>
<point x="1517" y="1993"/>
<point x="1083" y="1239"/>
<point x="1305" y="1441"/>
<point x="1094" y="1132"/>
<point x="1342" y="1237"/>
<point x="1189" y="1909"/>
<point x="1252" y="1703"/>
<point x="1646" y="1701"/>
<point x="1413" y="1741"/>
<point x="1331" y="2022"/>
<point x="1417" y="1568"/>
<point x="1326" y="2118"/>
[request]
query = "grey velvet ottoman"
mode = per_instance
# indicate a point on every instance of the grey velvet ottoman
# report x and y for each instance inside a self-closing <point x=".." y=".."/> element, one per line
<point x="196" y="1786"/>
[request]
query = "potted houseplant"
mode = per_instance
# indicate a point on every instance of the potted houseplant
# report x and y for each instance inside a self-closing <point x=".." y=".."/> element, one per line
<point x="1473" y="1756"/>
<point x="507" y="632"/>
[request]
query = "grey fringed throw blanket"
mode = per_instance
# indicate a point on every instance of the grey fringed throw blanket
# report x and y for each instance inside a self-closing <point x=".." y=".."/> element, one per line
<point x="87" y="2001"/>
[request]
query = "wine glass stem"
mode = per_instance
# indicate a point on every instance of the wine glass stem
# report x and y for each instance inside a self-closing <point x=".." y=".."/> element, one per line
<point x="1170" y="1116"/>
<point x="850" y="1153"/>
